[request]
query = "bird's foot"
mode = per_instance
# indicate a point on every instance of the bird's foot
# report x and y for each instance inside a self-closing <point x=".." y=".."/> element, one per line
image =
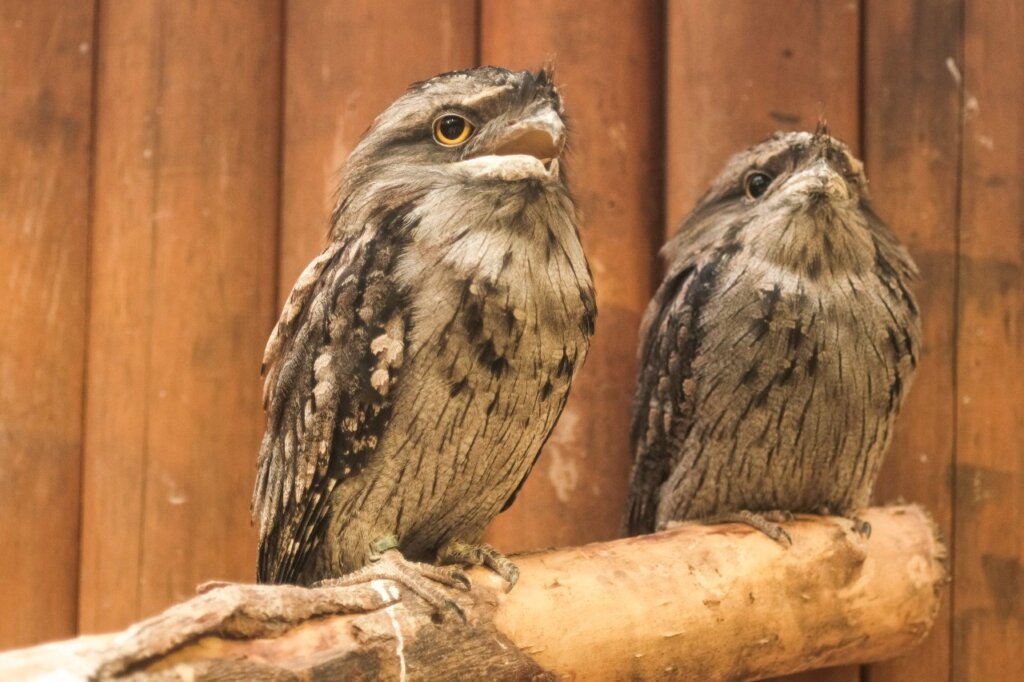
<point x="419" y="578"/>
<point x="482" y="554"/>
<point x="860" y="526"/>
<point x="766" y="521"/>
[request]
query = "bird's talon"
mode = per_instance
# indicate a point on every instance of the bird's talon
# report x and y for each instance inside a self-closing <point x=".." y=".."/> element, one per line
<point x="761" y="521"/>
<point x="463" y="580"/>
<point x="481" y="555"/>
<point x="457" y="608"/>
<point x="511" y="579"/>
<point x="414" y="576"/>
<point x="784" y="534"/>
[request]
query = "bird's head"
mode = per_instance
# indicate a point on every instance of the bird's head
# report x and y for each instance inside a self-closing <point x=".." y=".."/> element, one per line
<point x="798" y="199"/>
<point x="476" y="126"/>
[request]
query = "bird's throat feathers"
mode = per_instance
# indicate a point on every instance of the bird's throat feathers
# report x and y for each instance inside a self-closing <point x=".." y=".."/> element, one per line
<point x="812" y="238"/>
<point x="524" y="232"/>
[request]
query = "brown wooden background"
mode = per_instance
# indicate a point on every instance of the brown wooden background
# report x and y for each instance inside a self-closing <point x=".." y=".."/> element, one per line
<point x="166" y="167"/>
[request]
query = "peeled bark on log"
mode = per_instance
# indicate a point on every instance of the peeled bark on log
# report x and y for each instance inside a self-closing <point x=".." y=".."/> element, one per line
<point x="694" y="602"/>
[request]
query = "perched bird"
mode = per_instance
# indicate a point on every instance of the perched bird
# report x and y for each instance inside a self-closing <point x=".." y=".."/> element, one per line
<point x="777" y="350"/>
<point x="422" y="360"/>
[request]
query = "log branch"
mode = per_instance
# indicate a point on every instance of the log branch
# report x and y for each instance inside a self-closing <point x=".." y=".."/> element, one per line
<point x="694" y="602"/>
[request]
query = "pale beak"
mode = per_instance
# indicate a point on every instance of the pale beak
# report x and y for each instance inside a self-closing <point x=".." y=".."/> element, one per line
<point x="541" y="136"/>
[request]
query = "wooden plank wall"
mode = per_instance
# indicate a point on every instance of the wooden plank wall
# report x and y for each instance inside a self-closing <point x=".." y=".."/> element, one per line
<point x="46" y="56"/>
<point x="184" y="237"/>
<point x="912" y="151"/>
<point x="988" y="480"/>
<point x="169" y="168"/>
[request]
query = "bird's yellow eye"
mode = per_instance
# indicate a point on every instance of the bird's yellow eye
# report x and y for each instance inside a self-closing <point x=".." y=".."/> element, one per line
<point x="452" y="130"/>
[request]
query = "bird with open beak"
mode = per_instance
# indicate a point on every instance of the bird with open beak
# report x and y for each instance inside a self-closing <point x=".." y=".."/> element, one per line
<point x="422" y="360"/>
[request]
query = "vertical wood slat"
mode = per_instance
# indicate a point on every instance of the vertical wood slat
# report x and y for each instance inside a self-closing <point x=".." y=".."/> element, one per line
<point x="608" y="65"/>
<point x="739" y="70"/>
<point x="45" y="132"/>
<point x="911" y="148"/>
<point x="184" y="235"/>
<point x="346" y="60"/>
<point x="989" y="481"/>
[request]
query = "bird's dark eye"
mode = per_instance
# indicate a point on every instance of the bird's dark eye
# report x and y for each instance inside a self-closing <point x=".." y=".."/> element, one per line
<point x="452" y="130"/>
<point x="756" y="183"/>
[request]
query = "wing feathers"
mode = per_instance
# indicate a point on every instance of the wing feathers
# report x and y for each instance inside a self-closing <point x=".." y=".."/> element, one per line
<point x="663" y="407"/>
<point x="330" y="364"/>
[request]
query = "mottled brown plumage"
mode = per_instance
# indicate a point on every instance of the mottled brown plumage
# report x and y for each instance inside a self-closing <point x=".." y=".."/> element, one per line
<point x="778" y="348"/>
<point x="423" y="358"/>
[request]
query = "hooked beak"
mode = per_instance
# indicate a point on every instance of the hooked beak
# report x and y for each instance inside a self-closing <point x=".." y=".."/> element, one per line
<point x="541" y="136"/>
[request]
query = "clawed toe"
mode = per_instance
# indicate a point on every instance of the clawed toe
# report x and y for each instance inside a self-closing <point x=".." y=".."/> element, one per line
<point x="778" y="533"/>
<point x="450" y="576"/>
<point x="861" y="527"/>
<point x="481" y="555"/>
<point x="762" y="521"/>
<point x="420" y="579"/>
<point x="511" y="575"/>
<point x="858" y="525"/>
<point x="772" y="530"/>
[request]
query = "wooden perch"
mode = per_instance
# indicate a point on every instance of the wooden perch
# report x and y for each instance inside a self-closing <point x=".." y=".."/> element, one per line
<point x="694" y="602"/>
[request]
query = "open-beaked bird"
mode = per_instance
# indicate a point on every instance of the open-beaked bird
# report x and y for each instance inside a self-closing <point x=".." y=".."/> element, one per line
<point x="778" y="349"/>
<point x="422" y="360"/>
